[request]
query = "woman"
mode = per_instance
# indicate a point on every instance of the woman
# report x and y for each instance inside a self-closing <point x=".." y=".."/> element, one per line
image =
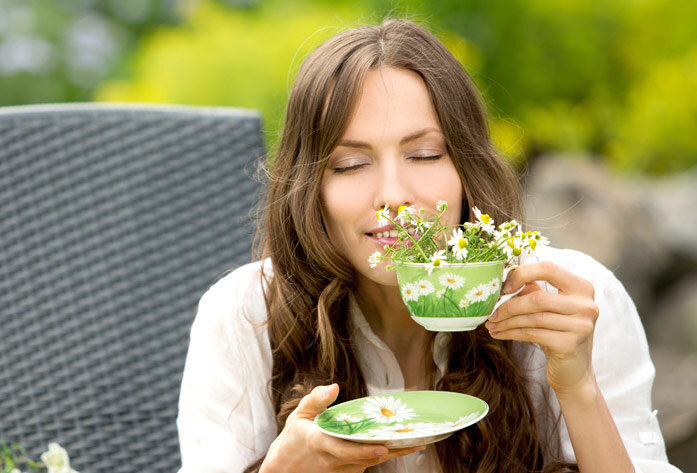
<point x="386" y="115"/>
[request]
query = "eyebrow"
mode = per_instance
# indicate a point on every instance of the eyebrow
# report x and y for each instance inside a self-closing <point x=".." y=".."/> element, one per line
<point x="406" y="139"/>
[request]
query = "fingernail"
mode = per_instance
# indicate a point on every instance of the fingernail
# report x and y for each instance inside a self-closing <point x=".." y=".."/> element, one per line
<point x="490" y="325"/>
<point x="507" y="288"/>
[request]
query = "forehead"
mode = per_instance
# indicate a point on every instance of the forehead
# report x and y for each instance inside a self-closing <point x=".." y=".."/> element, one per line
<point x="392" y="103"/>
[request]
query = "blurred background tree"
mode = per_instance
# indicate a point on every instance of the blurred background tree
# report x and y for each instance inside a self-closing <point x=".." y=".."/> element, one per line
<point x="612" y="79"/>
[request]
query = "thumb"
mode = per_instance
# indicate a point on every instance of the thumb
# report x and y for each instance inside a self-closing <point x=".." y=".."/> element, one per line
<point x="317" y="401"/>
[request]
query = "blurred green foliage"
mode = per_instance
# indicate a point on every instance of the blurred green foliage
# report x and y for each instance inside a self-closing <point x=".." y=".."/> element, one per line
<point x="615" y="79"/>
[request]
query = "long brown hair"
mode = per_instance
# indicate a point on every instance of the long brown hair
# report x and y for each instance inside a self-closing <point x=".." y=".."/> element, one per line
<point x="308" y="292"/>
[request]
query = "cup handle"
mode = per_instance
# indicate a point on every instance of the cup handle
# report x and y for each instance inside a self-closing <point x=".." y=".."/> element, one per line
<point x="506" y="297"/>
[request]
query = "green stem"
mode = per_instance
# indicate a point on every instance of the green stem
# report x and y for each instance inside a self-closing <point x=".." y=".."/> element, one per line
<point x="416" y="244"/>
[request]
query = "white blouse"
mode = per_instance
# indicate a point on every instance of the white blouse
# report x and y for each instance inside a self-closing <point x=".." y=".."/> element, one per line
<point x="226" y="419"/>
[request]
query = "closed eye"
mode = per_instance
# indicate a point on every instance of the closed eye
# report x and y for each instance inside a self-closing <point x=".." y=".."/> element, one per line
<point x="347" y="168"/>
<point x="426" y="158"/>
<point x="340" y="170"/>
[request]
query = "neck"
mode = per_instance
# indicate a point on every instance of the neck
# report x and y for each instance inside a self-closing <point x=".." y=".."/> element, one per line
<point x="387" y="315"/>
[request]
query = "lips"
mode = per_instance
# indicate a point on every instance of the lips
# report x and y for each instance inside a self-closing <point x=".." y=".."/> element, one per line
<point x="389" y="240"/>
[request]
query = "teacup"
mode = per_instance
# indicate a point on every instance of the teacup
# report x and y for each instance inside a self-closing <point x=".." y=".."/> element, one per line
<point x="454" y="297"/>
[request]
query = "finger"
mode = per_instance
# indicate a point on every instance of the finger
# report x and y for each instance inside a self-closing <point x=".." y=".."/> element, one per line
<point x="357" y="453"/>
<point x="556" y="341"/>
<point x="565" y="281"/>
<point x="537" y="301"/>
<point x="547" y="320"/>
<point x="317" y="401"/>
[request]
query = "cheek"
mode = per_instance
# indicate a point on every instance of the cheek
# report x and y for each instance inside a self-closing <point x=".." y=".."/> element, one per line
<point x="338" y="204"/>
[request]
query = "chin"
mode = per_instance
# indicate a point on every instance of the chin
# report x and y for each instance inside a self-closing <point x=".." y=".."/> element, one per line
<point x="379" y="275"/>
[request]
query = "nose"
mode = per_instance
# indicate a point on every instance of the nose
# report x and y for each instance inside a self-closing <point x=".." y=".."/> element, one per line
<point x="393" y="187"/>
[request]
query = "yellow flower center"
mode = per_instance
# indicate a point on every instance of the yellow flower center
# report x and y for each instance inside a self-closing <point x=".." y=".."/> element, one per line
<point x="423" y="286"/>
<point x="517" y="252"/>
<point x="404" y="430"/>
<point x="532" y="243"/>
<point x="436" y="262"/>
<point x="386" y="412"/>
<point x="461" y="243"/>
<point x="486" y="219"/>
<point x="479" y="293"/>
<point x="510" y="242"/>
<point x="451" y="280"/>
<point x="401" y="208"/>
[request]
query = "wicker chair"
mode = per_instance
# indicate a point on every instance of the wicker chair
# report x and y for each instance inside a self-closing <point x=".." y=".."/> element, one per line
<point x="113" y="221"/>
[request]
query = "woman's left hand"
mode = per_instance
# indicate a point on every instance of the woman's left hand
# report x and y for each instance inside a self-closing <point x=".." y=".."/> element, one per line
<point x="561" y="324"/>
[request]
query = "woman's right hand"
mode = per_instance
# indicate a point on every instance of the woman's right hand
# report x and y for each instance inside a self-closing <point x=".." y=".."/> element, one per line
<point x="302" y="448"/>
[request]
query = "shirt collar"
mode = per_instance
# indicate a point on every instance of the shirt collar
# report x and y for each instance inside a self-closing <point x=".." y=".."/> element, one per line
<point x="359" y="325"/>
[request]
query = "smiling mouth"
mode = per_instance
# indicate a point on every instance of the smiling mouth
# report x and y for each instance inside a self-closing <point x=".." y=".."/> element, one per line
<point x="390" y="234"/>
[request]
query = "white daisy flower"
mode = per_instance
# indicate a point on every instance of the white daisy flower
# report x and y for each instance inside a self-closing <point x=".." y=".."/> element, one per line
<point x="425" y="287"/>
<point x="494" y="285"/>
<point x="410" y="292"/>
<point x="513" y="246"/>
<point x="383" y="215"/>
<point x="463" y="303"/>
<point x="461" y="421"/>
<point x="505" y="230"/>
<point x="347" y="418"/>
<point x="386" y="409"/>
<point x="440" y="293"/>
<point x="407" y="215"/>
<point x="478" y="293"/>
<point x="375" y="259"/>
<point x="414" y="429"/>
<point x="484" y="220"/>
<point x="535" y="238"/>
<point x="422" y="225"/>
<point x="437" y="259"/>
<point x="453" y="281"/>
<point x="441" y="205"/>
<point x="458" y="244"/>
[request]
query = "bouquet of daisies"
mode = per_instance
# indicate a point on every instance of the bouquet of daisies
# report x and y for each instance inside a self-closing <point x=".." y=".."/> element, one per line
<point x="424" y="240"/>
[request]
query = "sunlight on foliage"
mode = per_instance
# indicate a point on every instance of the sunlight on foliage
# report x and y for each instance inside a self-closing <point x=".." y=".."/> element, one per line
<point x="229" y="57"/>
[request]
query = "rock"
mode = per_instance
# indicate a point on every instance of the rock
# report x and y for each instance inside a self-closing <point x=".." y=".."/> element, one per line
<point x="578" y="204"/>
<point x="674" y="393"/>
<point x="674" y="319"/>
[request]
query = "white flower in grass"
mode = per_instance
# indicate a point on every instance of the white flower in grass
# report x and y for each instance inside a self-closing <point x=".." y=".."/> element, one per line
<point x="410" y="292"/>
<point x="437" y="260"/>
<point x="461" y="421"/>
<point x="452" y="281"/>
<point x="485" y="221"/>
<point x="494" y="285"/>
<point x="441" y="205"/>
<point x="425" y="287"/>
<point x="375" y="259"/>
<point x="407" y="215"/>
<point x="440" y="293"/>
<point x="478" y="294"/>
<point x="383" y="215"/>
<point x="463" y="303"/>
<point x="414" y="429"/>
<point x="56" y="459"/>
<point x="347" y="418"/>
<point x="458" y="244"/>
<point x="385" y="409"/>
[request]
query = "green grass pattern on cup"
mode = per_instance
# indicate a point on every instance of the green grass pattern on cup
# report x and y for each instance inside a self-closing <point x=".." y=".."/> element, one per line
<point x="453" y="290"/>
